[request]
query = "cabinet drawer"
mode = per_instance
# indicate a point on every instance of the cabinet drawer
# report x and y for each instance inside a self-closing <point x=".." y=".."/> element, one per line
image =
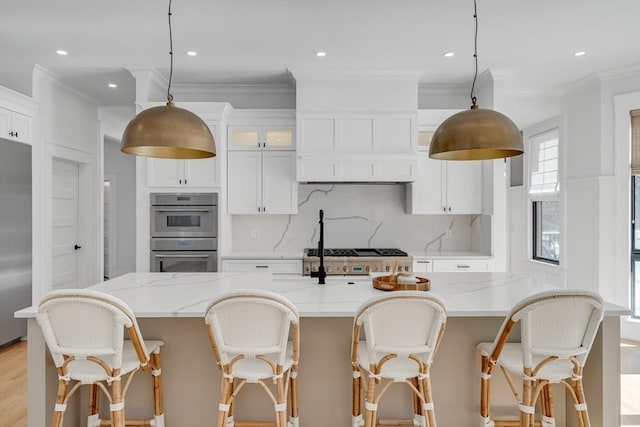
<point x="257" y="265"/>
<point x="441" y="265"/>
<point x="422" y="265"/>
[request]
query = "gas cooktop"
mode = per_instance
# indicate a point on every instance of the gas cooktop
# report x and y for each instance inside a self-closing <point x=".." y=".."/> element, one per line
<point x="359" y="252"/>
<point x="357" y="260"/>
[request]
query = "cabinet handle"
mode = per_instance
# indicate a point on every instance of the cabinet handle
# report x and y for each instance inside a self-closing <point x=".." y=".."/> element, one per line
<point x="12" y="134"/>
<point x="444" y="209"/>
<point x="463" y="266"/>
<point x="449" y="208"/>
<point x="262" y="266"/>
<point x="264" y="209"/>
<point x="423" y="262"/>
<point x="185" y="183"/>
<point x="180" y="181"/>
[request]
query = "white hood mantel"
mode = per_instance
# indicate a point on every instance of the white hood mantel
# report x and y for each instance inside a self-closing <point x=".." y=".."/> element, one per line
<point x="356" y="127"/>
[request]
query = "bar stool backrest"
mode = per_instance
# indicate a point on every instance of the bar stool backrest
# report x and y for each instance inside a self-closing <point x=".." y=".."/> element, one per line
<point x="559" y="323"/>
<point x="82" y="322"/>
<point x="403" y="322"/>
<point x="250" y="323"/>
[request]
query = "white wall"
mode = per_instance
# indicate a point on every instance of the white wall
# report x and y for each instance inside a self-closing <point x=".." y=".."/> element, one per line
<point x="69" y="130"/>
<point x="122" y="167"/>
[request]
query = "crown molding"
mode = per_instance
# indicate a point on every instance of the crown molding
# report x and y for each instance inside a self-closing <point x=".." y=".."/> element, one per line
<point x="315" y="74"/>
<point x="42" y="73"/>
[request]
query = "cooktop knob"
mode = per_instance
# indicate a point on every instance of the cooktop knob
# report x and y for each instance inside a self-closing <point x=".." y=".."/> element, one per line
<point x="388" y="268"/>
<point x="345" y="268"/>
<point x="367" y="269"/>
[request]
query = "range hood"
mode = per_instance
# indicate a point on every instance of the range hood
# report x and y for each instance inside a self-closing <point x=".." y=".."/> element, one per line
<point x="356" y="127"/>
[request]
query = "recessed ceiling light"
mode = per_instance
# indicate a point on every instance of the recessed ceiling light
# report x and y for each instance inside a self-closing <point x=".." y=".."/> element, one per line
<point x="580" y="53"/>
<point x="61" y="52"/>
<point x="321" y="54"/>
<point x="192" y="53"/>
<point x="113" y="85"/>
<point x="448" y="54"/>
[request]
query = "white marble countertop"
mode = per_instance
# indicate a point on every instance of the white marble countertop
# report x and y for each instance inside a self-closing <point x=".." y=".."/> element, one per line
<point x="189" y="294"/>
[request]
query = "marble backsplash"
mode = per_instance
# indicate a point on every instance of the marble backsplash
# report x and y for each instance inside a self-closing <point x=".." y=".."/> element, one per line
<point x="359" y="216"/>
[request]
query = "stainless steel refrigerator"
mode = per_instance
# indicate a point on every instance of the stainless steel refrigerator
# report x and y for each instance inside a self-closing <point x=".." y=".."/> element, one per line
<point x="15" y="237"/>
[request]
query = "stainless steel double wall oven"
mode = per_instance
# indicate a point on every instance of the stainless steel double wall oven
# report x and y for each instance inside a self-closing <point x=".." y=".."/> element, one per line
<point x="184" y="232"/>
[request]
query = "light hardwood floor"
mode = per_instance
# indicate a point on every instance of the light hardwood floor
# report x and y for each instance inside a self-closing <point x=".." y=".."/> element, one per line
<point x="13" y="384"/>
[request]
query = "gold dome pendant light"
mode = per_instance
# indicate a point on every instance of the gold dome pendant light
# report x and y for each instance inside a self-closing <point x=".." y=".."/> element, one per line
<point x="168" y="131"/>
<point x="478" y="133"/>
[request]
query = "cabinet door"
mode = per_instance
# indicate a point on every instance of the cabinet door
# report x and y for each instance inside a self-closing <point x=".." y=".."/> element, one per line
<point x="427" y="190"/>
<point x="279" y="187"/>
<point x="244" y="137"/>
<point x="244" y="169"/>
<point x="165" y="172"/>
<point x="202" y="172"/>
<point x="464" y="187"/>
<point x="5" y="123"/>
<point x="21" y="127"/>
<point x="278" y="137"/>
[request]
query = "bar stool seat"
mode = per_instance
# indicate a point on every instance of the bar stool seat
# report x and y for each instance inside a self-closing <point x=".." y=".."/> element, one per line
<point x="84" y="331"/>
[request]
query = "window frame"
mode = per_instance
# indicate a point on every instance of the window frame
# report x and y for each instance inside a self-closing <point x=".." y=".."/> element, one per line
<point x="557" y="124"/>
<point x="536" y="206"/>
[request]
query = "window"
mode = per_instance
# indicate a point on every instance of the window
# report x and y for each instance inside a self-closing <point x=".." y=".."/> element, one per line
<point x="635" y="212"/>
<point x="544" y="194"/>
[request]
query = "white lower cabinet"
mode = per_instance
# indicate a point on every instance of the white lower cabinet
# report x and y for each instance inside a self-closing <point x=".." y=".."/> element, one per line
<point x="422" y="265"/>
<point x="462" y="265"/>
<point x="266" y="265"/>
<point x="262" y="182"/>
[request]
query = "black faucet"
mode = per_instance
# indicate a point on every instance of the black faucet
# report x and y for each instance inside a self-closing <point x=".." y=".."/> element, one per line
<point x="321" y="273"/>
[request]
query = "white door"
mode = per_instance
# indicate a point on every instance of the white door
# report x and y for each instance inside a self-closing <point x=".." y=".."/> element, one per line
<point x="65" y="245"/>
<point x="464" y="187"/>
<point x="245" y="182"/>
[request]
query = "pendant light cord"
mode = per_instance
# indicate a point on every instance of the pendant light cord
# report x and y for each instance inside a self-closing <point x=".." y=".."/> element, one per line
<point x="169" y="96"/>
<point x="475" y="53"/>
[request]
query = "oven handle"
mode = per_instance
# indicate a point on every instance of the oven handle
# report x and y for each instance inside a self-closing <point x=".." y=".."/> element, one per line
<point x="181" y="256"/>
<point x="182" y="210"/>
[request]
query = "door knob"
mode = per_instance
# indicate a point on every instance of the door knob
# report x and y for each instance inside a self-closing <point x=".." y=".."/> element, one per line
<point x="76" y="247"/>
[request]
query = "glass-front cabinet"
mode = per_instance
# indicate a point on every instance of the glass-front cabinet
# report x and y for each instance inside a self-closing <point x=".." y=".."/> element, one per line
<point x="250" y="137"/>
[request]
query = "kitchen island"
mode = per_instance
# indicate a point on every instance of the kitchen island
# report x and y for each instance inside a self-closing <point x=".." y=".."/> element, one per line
<point x="170" y="306"/>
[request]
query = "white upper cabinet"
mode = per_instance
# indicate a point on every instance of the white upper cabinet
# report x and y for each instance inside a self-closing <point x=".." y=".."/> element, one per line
<point x="261" y="166"/>
<point x="15" y="126"/>
<point x="185" y="173"/>
<point x="443" y="187"/>
<point x="262" y="182"/>
<point x="252" y="137"/>
<point x="376" y="147"/>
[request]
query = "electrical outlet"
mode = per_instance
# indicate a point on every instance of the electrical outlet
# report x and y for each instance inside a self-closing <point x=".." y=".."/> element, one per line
<point x="254" y="233"/>
<point x="449" y="234"/>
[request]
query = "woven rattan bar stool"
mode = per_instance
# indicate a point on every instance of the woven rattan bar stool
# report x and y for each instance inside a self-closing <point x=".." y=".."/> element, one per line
<point x="255" y="337"/>
<point x="402" y="332"/>
<point x="84" y="331"/>
<point x="557" y="331"/>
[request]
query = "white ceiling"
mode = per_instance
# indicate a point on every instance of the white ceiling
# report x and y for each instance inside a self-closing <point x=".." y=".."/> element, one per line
<point x="529" y="42"/>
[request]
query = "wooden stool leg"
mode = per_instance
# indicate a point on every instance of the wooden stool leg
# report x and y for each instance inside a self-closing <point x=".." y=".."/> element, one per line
<point x="356" y="398"/>
<point x="369" y="403"/>
<point x="117" y="404"/>
<point x="230" y="422"/>
<point x="546" y="404"/>
<point x="158" y="405"/>
<point x="93" y="419"/>
<point x="485" y="382"/>
<point x="293" y="397"/>
<point x="525" y="417"/>
<point x="281" y="410"/>
<point x="223" y="407"/>
<point x="417" y="403"/>
<point x="583" y="414"/>
<point x="428" y="402"/>
<point x="58" y="414"/>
